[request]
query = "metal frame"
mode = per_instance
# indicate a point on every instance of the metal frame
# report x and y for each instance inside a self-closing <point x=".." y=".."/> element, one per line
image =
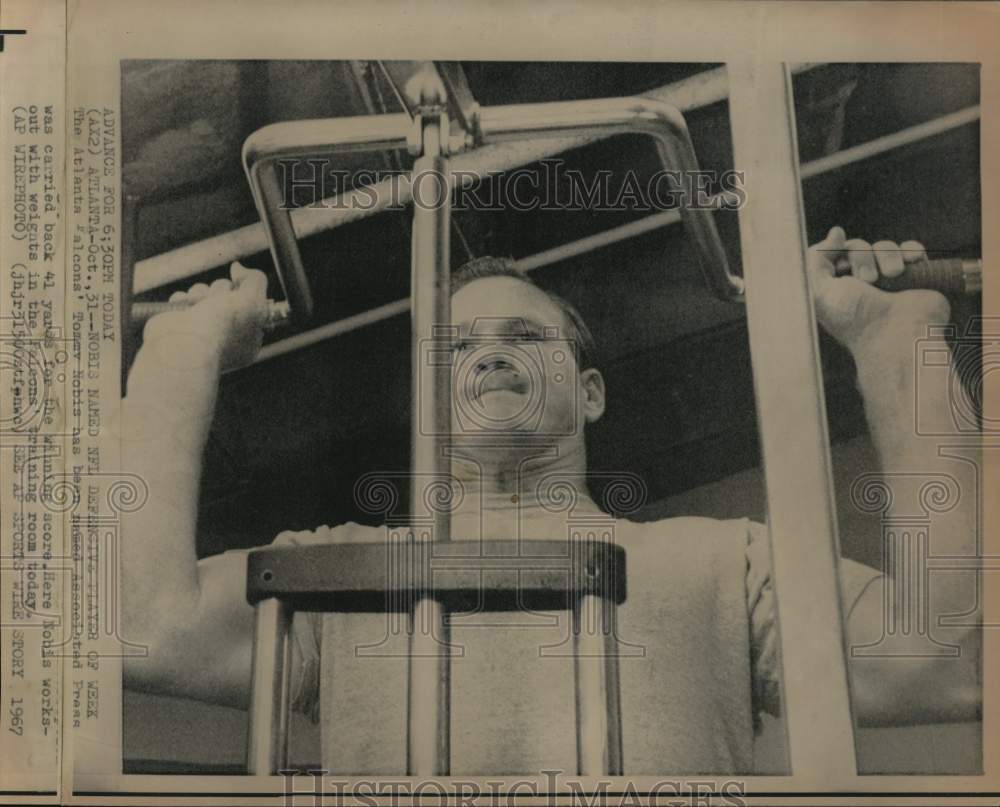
<point x="814" y="168"/>
<point x="800" y="500"/>
<point x="596" y="679"/>
<point x="279" y="313"/>
<point x="192" y="259"/>
<point x="500" y="124"/>
<point x="242" y="242"/>
<point x="428" y="746"/>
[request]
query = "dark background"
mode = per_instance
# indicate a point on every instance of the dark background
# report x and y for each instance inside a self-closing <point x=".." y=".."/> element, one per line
<point x="292" y="434"/>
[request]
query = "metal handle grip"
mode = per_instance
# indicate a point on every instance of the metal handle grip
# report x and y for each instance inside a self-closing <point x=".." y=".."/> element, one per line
<point x="955" y="277"/>
<point x="278" y="313"/>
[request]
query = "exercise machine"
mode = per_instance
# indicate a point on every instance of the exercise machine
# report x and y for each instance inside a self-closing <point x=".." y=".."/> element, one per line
<point x="779" y="311"/>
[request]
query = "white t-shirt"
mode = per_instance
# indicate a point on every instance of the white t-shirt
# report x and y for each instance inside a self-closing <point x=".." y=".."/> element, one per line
<point x="699" y="655"/>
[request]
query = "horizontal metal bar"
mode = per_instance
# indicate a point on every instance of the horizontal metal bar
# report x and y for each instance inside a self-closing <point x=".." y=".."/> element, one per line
<point x="278" y="315"/>
<point x="955" y="277"/>
<point x="589" y="243"/>
<point x="890" y="142"/>
<point x="808" y="170"/>
<point x="192" y="259"/>
<point x="494" y="575"/>
<point x="300" y="138"/>
<point x="332" y="329"/>
<point x="814" y="168"/>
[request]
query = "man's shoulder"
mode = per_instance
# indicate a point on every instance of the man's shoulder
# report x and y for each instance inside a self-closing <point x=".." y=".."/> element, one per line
<point x="688" y="544"/>
<point x="349" y="532"/>
<point x="675" y="528"/>
<point x="689" y="529"/>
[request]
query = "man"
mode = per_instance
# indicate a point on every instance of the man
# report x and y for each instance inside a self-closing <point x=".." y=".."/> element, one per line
<point x="698" y="639"/>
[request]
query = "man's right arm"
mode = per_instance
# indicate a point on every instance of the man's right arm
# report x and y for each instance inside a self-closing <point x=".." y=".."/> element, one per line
<point x="192" y="615"/>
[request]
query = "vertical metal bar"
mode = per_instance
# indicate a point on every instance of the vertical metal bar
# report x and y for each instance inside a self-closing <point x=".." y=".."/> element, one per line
<point x="267" y="727"/>
<point x="792" y="420"/>
<point x="429" y="688"/>
<point x="598" y="703"/>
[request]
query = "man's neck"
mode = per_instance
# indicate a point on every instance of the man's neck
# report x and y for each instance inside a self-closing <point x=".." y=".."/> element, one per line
<point x="539" y="478"/>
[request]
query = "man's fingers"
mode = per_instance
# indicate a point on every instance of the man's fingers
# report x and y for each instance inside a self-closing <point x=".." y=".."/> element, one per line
<point x="836" y="239"/>
<point x="178" y="297"/>
<point x="242" y="276"/>
<point x="220" y="285"/>
<point x="833" y="246"/>
<point x="912" y="251"/>
<point x="253" y="283"/>
<point x="197" y="292"/>
<point x="822" y="257"/>
<point x="862" y="259"/>
<point x="890" y="260"/>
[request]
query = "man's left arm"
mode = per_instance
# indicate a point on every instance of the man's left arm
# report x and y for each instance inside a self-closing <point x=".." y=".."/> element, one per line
<point x="880" y="329"/>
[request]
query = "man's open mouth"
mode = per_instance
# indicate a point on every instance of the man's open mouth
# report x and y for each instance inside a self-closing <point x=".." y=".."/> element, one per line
<point x="497" y="380"/>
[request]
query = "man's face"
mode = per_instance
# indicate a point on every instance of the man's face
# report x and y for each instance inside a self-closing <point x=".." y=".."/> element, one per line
<point x="514" y="365"/>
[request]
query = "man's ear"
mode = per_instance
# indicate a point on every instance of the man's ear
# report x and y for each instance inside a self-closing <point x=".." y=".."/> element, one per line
<point x="592" y="386"/>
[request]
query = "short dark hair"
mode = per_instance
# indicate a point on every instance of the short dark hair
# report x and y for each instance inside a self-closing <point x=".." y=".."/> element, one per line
<point x="488" y="266"/>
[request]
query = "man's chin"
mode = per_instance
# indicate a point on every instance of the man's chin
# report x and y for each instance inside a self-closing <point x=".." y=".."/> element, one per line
<point x="500" y="397"/>
<point x="496" y="413"/>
